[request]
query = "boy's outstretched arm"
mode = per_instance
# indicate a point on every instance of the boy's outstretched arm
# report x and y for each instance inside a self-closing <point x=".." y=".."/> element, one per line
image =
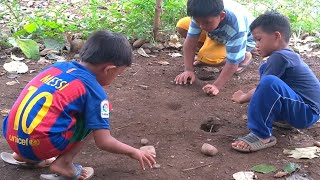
<point x="226" y="74"/>
<point x="189" y="49"/>
<point x="241" y="97"/>
<point x="105" y="141"/>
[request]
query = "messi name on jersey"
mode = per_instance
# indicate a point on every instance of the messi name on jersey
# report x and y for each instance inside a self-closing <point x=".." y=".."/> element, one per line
<point x="58" y="83"/>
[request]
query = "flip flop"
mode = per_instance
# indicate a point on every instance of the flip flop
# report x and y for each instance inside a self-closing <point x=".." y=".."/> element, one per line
<point x="255" y="144"/>
<point x="8" y="158"/>
<point x="243" y="66"/>
<point x="78" y="168"/>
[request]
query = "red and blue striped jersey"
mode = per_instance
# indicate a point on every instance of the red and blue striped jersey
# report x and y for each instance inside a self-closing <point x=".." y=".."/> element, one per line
<point x="58" y="107"/>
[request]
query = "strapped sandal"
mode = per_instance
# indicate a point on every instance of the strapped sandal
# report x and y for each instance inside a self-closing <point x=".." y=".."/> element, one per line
<point x="8" y="158"/>
<point x="78" y="168"/>
<point x="254" y="142"/>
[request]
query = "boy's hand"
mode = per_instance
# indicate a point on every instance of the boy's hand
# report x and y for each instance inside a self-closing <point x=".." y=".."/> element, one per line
<point x="185" y="77"/>
<point x="238" y="97"/>
<point x="143" y="157"/>
<point x="210" y="89"/>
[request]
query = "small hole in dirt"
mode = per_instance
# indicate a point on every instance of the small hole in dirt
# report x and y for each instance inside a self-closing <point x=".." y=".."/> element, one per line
<point x="210" y="126"/>
<point x="174" y="106"/>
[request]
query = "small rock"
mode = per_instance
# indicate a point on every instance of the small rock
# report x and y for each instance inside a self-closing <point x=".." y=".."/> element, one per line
<point x="76" y="45"/>
<point x="158" y="46"/>
<point x="244" y="117"/>
<point x="211" y="69"/>
<point x="138" y="43"/>
<point x="157" y="166"/>
<point x="144" y="142"/>
<point x="316" y="143"/>
<point x="304" y="36"/>
<point x="76" y="56"/>
<point x="149" y="149"/>
<point x="208" y="149"/>
<point x="148" y="51"/>
<point x="147" y="46"/>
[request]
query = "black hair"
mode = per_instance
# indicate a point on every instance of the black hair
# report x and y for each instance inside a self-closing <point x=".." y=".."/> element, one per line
<point x="272" y="21"/>
<point x="107" y="47"/>
<point x="204" y="8"/>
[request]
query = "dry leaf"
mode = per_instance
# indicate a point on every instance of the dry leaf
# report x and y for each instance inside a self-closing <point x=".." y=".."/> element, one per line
<point x="142" y="52"/>
<point x="303" y="153"/>
<point x="16" y="67"/>
<point x="244" y="175"/>
<point x="4" y="112"/>
<point x="14" y="57"/>
<point x="174" y="55"/>
<point x="280" y="174"/>
<point x="11" y="83"/>
<point x="163" y="62"/>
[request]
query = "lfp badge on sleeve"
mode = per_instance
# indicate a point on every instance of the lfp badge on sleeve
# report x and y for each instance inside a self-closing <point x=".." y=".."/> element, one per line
<point x="105" y="111"/>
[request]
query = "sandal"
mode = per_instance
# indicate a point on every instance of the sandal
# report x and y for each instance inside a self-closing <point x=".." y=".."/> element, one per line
<point x="254" y="142"/>
<point x="78" y="168"/>
<point x="243" y="66"/>
<point x="8" y="158"/>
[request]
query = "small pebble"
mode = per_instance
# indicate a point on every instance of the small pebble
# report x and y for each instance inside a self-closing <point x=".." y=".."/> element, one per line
<point x="316" y="143"/>
<point x="144" y="142"/>
<point x="157" y="166"/>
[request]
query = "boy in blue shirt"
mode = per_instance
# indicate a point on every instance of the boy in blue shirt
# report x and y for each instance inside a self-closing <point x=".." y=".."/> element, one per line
<point x="227" y="27"/>
<point x="65" y="106"/>
<point x="288" y="91"/>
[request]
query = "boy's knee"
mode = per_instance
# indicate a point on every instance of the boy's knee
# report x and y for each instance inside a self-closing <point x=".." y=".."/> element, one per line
<point x="270" y="82"/>
<point x="182" y="32"/>
<point x="269" y="79"/>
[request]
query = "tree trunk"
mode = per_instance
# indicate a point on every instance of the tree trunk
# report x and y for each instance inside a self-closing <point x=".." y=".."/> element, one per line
<point x="157" y="15"/>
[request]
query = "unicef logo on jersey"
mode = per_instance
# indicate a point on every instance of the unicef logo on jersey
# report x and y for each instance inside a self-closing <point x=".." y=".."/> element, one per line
<point x="105" y="109"/>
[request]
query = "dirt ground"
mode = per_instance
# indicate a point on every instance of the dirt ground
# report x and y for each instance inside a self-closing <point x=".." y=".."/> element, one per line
<point x="147" y="104"/>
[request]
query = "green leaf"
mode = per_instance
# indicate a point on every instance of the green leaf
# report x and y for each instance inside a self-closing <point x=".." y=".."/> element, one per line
<point x="29" y="47"/>
<point x="12" y="41"/>
<point x="291" y="167"/>
<point x="30" y="28"/>
<point x="20" y="32"/>
<point x="55" y="44"/>
<point x="264" y="168"/>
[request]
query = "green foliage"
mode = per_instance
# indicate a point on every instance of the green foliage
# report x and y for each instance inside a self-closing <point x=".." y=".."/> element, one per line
<point x="131" y="17"/>
<point x="304" y="15"/>
<point x="264" y="168"/>
<point x="291" y="167"/>
<point x="29" y="47"/>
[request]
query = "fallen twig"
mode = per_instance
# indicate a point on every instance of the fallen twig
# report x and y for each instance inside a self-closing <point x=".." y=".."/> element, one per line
<point x="192" y="168"/>
<point x="211" y="128"/>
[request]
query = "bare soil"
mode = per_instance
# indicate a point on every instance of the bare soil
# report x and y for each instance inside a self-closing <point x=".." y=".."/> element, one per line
<point x="147" y="104"/>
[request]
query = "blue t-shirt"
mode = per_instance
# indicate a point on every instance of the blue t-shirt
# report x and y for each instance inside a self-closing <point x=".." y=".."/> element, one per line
<point x="233" y="31"/>
<point x="290" y="68"/>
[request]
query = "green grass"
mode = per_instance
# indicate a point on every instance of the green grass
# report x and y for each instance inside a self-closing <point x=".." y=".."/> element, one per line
<point x="134" y="18"/>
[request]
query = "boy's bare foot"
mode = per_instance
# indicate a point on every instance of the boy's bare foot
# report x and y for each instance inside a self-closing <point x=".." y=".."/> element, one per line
<point x="245" y="63"/>
<point x="66" y="169"/>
